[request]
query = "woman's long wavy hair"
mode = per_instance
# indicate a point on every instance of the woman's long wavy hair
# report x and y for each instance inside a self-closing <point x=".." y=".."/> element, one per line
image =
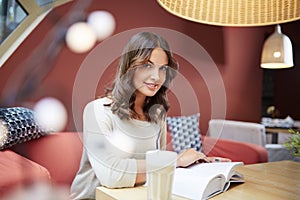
<point x="138" y="51"/>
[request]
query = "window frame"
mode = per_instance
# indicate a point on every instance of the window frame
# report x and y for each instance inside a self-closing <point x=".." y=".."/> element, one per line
<point x="35" y="15"/>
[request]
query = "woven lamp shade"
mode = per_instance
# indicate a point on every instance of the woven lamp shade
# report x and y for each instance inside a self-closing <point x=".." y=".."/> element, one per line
<point x="235" y="12"/>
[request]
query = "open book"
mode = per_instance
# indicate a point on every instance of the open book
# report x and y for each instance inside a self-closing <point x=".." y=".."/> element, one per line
<point x="205" y="180"/>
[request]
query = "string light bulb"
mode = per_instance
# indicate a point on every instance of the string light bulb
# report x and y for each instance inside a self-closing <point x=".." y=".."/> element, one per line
<point x="103" y="23"/>
<point x="80" y="37"/>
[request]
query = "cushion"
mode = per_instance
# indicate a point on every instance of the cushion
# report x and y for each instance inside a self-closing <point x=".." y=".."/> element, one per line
<point x="185" y="132"/>
<point x="17" y="125"/>
<point x="234" y="150"/>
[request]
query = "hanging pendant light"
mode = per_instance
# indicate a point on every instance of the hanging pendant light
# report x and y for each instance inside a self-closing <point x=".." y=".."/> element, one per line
<point x="239" y="13"/>
<point x="277" y="51"/>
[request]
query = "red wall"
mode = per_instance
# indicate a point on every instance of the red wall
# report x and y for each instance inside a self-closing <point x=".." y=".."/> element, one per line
<point x="287" y="81"/>
<point x="235" y="51"/>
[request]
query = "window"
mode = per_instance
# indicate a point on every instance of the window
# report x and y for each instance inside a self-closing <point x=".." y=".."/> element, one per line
<point x="12" y="14"/>
<point x="17" y="19"/>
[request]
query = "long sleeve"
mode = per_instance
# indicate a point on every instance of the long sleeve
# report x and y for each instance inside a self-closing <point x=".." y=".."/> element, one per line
<point x="111" y="149"/>
<point x="111" y="164"/>
<point x="163" y="136"/>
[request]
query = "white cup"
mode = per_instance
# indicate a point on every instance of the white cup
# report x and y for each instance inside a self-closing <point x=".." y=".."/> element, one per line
<point x="160" y="166"/>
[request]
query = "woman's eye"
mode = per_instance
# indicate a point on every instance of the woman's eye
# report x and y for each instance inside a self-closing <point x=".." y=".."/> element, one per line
<point x="151" y="66"/>
<point x="147" y="65"/>
<point x="164" y="68"/>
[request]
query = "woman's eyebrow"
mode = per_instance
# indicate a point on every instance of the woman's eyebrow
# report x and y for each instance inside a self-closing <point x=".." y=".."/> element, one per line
<point x="154" y="63"/>
<point x="151" y="62"/>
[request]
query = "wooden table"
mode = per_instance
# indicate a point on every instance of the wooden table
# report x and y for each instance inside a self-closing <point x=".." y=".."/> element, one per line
<point x="273" y="180"/>
<point x="275" y="131"/>
<point x="136" y="193"/>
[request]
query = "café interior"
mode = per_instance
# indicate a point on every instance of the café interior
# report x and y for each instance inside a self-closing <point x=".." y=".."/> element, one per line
<point x="238" y="77"/>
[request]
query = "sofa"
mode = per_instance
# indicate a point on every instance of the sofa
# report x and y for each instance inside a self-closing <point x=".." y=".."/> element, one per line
<point x="55" y="159"/>
<point x="52" y="159"/>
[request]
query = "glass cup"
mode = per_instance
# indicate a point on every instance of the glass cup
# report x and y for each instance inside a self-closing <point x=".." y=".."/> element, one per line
<point x="160" y="166"/>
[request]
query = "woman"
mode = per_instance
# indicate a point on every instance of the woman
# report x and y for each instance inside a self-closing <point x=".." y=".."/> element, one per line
<point x="130" y="120"/>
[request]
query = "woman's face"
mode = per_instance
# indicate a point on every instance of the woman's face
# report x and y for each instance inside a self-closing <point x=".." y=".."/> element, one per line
<point x="149" y="78"/>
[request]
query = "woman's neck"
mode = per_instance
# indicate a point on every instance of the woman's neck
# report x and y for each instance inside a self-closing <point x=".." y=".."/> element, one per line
<point x="139" y="106"/>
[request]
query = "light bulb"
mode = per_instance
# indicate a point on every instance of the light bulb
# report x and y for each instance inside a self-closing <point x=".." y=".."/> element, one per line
<point x="51" y="114"/>
<point x="103" y="23"/>
<point x="81" y="37"/>
<point x="276" y="54"/>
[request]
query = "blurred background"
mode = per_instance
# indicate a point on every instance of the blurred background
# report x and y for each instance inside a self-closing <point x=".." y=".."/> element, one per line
<point x="39" y="64"/>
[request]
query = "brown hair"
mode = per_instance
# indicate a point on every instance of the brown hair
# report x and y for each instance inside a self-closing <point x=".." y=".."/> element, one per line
<point x="138" y="51"/>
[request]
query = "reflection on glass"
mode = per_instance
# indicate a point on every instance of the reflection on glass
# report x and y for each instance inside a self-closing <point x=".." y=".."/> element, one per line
<point x="12" y="14"/>
<point x="43" y="2"/>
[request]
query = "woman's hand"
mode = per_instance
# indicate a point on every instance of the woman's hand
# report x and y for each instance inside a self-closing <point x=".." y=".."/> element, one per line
<point x="218" y="159"/>
<point x="191" y="156"/>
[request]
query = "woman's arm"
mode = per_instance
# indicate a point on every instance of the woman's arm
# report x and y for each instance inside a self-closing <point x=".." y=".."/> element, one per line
<point x="141" y="172"/>
<point x="113" y="167"/>
<point x="191" y="156"/>
<point x="184" y="159"/>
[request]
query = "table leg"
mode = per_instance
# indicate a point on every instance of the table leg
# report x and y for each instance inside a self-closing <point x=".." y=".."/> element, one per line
<point x="274" y="138"/>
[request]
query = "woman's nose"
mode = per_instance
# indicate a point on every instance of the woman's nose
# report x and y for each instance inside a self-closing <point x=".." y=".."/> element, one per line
<point x="155" y="73"/>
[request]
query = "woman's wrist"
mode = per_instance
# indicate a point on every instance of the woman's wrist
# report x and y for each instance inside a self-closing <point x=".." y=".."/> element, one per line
<point x="179" y="162"/>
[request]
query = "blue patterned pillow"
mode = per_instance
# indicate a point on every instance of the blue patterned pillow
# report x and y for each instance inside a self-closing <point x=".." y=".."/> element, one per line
<point x="17" y="125"/>
<point x="185" y="132"/>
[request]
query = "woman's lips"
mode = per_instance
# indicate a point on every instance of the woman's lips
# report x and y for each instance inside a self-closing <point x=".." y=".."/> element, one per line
<point x="151" y="86"/>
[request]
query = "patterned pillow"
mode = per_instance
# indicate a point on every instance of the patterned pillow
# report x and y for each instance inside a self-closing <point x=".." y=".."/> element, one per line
<point x="18" y="125"/>
<point x="185" y="132"/>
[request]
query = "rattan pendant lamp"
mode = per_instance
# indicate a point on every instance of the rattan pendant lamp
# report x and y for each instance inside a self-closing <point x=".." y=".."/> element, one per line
<point x="235" y="12"/>
<point x="277" y="51"/>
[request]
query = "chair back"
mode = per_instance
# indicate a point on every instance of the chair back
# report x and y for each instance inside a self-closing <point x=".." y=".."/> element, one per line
<point x="241" y="131"/>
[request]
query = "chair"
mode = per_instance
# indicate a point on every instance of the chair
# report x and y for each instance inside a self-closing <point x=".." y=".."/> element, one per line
<point x="248" y="132"/>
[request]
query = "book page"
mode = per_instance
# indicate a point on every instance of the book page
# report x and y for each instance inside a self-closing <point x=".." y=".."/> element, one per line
<point x="225" y="168"/>
<point x="204" y="180"/>
<point x="200" y="186"/>
<point x="237" y="177"/>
